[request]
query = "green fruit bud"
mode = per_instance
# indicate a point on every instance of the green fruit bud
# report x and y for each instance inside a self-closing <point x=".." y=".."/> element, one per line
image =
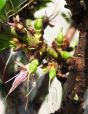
<point x="65" y="55"/>
<point x="28" y="22"/>
<point x="60" y="38"/>
<point x="52" y="52"/>
<point x="13" y="32"/>
<point x="38" y="24"/>
<point x="33" y="40"/>
<point x="33" y="66"/>
<point x="52" y="73"/>
<point x="37" y="35"/>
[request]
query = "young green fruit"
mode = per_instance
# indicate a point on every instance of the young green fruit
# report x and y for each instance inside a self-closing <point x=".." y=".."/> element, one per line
<point x="60" y="37"/>
<point x="65" y="55"/>
<point x="52" y="73"/>
<point x="33" y="66"/>
<point x="33" y="40"/>
<point x="52" y="52"/>
<point x="38" y="24"/>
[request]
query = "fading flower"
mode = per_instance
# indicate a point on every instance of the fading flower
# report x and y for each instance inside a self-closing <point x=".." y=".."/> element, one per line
<point x="18" y="80"/>
<point x="24" y="74"/>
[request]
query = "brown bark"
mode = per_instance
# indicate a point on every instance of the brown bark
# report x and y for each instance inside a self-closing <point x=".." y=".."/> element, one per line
<point x="76" y="83"/>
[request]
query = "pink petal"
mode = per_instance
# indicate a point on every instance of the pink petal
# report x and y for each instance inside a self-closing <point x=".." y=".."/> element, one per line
<point x="18" y="80"/>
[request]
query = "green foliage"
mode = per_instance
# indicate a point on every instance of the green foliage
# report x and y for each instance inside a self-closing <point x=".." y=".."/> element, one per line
<point x="13" y="5"/>
<point x="7" y="8"/>
<point x="5" y="41"/>
<point x="3" y="16"/>
<point x="2" y="3"/>
<point x="10" y="7"/>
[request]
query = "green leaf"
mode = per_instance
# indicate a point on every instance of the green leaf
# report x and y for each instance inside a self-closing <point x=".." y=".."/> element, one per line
<point x="4" y="41"/>
<point x="2" y="3"/>
<point x="3" y="16"/>
<point x="16" y="3"/>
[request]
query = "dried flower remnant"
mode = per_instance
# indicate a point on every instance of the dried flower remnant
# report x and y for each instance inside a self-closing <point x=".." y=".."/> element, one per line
<point x="18" y="80"/>
<point x="24" y="74"/>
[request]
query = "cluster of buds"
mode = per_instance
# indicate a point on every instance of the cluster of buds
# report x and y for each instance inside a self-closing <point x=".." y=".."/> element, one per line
<point x="28" y="36"/>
